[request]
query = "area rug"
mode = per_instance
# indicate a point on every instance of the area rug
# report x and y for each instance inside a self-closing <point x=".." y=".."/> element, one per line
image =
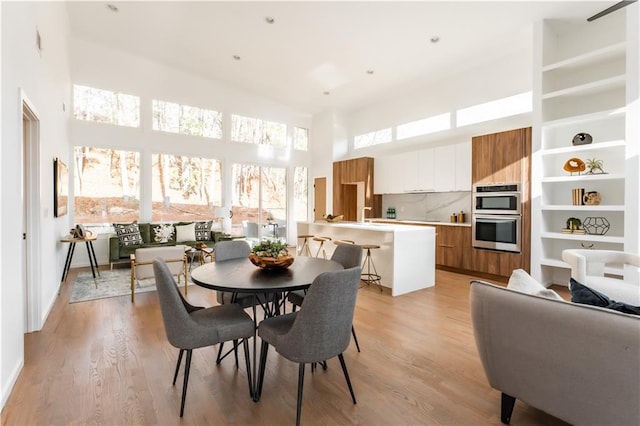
<point x="111" y="283"/>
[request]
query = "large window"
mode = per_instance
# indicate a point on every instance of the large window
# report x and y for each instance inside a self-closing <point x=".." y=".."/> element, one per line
<point x="300" y="138"/>
<point x="372" y="138"/>
<point x="185" y="188"/>
<point x="300" y="194"/>
<point x="107" y="185"/>
<point x="256" y="131"/>
<point x="504" y="107"/>
<point x="187" y="120"/>
<point x="425" y="126"/>
<point x="259" y="201"/>
<point x="104" y="106"/>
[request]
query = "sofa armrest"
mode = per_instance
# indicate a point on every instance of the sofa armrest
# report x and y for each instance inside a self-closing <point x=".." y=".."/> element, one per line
<point x="576" y="362"/>
<point x="114" y="249"/>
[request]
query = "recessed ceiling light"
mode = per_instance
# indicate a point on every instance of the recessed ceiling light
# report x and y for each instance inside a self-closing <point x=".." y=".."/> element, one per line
<point x="112" y="7"/>
<point x="435" y="39"/>
<point x="326" y="93"/>
<point x="369" y="71"/>
<point x="236" y="57"/>
<point x="269" y="20"/>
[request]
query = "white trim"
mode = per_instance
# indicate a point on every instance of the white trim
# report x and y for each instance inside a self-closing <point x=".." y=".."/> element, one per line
<point x="11" y="382"/>
<point x="35" y="318"/>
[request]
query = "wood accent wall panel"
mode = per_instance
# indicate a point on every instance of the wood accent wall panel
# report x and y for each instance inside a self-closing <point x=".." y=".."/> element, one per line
<point x="345" y="175"/>
<point x="504" y="157"/>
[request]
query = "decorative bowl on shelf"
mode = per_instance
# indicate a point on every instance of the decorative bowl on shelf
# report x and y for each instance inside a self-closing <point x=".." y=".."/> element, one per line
<point x="280" y="262"/>
<point x="330" y="218"/>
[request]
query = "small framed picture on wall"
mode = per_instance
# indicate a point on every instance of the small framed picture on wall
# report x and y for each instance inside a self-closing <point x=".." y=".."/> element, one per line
<point x="60" y="188"/>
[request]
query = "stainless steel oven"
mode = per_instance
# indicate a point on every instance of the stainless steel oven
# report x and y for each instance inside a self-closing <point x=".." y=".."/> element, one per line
<point x="496" y="198"/>
<point x="496" y="221"/>
<point x="497" y="232"/>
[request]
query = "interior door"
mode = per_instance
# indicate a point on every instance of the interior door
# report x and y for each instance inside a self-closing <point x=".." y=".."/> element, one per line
<point x="319" y="198"/>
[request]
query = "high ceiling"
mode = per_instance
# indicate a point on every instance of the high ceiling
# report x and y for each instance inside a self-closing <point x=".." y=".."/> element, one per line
<point x="319" y="55"/>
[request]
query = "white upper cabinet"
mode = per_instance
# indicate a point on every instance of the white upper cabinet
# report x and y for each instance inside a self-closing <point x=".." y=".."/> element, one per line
<point x="440" y="169"/>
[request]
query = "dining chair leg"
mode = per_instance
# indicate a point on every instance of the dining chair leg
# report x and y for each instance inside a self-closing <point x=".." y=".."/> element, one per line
<point x="219" y="357"/>
<point x="355" y="339"/>
<point x="245" y="345"/>
<point x="235" y="351"/>
<point x="346" y="376"/>
<point x="300" y="386"/>
<point x="175" y="375"/>
<point x="264" y="350"/>
<point x="187" y="368"/>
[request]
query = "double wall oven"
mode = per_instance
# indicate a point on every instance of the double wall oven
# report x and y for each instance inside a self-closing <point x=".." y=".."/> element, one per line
<point x="497" y="217"/>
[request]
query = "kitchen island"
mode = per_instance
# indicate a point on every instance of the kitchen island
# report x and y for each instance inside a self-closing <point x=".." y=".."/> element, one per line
<point x="405" y="259"/>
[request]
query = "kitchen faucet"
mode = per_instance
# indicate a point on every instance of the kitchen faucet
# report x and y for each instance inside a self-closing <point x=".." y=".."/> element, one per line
<point x="363" y="210"/>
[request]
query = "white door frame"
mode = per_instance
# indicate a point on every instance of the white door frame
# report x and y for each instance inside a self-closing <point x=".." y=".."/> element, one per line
<point x="30" y="188"/>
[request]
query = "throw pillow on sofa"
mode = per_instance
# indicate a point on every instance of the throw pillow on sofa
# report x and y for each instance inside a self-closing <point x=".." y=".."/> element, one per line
<point x="580" y="293"/>
<point x="128" y="234"/>
<point x="186" y="233"/>
<point x="203" y="230"/>
<point x="525" y="283"/>
<point x="163" y="232"/>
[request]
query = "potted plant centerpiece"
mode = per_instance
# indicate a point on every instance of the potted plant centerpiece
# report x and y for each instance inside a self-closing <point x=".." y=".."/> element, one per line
<point x="271" y="255"/>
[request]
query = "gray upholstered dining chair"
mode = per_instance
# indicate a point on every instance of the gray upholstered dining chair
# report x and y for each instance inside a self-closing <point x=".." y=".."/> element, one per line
<point x="228" y="250"/>
<point x="320" y="330"/>
<point x="190" y="327"/>
<point x="348" y="255"/>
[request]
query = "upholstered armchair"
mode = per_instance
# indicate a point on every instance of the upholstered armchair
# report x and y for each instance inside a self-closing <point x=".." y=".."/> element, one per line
<point x="588" y="268"/>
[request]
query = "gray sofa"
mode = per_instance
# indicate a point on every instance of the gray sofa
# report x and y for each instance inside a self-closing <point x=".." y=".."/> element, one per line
<point x="576" y="362"/>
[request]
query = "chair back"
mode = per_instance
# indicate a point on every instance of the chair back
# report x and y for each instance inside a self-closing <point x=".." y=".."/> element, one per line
<point x="322" y="328"/>
<point x="172" y="255"/>
<point x="226" y="250"/>
<point x="178" y="324"/>
<point x="348" y="255"/>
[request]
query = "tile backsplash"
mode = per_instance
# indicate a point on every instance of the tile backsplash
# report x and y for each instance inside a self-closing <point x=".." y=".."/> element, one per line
<point x="433" y="206"/>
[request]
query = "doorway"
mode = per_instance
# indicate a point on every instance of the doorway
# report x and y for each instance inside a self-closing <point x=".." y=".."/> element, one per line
<point x="319" y="198"/>
<point x="30" y="194"/>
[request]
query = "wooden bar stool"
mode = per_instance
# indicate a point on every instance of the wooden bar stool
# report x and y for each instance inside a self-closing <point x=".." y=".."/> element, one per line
<point x="338" y="242"/>
<point x="369" y="274"/>
<point x="304" y="248"/>
<point x="321" y="247"/>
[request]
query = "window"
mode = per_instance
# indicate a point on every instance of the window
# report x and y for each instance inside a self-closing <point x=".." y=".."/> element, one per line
<point x="186" y="120"/>
<point x="300" y="194"/>
<point x="253" y="130"/>
<point x="424" y="127"/>
<point x="499" y="108"/>
<point x="372" y="138"/>
<point x="107" y="185"/>
<point x="104" y="106"/>
<point x="185" y="188"/>
<point x="300" y="138"/>
<point x="259" y="201"/>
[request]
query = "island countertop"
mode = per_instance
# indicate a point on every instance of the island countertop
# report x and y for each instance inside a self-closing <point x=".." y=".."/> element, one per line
<point x="405" y="259"/>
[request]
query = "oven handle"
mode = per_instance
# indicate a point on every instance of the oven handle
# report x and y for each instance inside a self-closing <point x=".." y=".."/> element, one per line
<point x="496" y="216"/>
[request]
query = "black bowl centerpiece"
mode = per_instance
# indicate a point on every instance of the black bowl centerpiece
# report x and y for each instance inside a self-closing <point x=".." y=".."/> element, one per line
<point x="271" y="255"/>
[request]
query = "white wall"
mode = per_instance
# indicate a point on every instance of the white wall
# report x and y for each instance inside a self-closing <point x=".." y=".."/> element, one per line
<point x="470" y="85"/>
<point x="44" y="78"/>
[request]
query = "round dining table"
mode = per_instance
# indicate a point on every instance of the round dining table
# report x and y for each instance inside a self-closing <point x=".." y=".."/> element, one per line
<point x="242" y="276"/>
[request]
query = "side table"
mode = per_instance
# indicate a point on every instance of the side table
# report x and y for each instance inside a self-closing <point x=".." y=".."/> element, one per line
<point x="88" y="240"/>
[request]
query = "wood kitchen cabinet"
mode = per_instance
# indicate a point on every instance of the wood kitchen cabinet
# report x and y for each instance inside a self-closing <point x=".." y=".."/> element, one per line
<point x="453" y="246"/>
<point x="353" y="179"/>
<point x="501" y="157"/>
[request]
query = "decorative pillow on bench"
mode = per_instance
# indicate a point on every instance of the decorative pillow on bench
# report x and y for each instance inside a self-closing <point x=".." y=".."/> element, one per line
<point x="163" y="232"/>
<point x="203" y="230"/>
<point x="128" y="234"/>
<point x="580" y="293"/>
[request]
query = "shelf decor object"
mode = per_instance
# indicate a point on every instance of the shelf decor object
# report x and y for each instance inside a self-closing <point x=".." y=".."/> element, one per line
<point x="577" y="196"/>
<point x="573" y="226"/>
<point x="595" y="166"/>
<point x="592" y="198"/>
<point x="574" y="165"/>
<point x="596" y="225"/>
<point x="582" y="139"/>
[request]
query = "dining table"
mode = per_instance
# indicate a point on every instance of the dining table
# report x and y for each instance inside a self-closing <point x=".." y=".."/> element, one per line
<point x="242" y="276"/>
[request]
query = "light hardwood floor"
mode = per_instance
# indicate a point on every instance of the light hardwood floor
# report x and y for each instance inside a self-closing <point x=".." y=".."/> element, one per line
<point x="108" y="362"/>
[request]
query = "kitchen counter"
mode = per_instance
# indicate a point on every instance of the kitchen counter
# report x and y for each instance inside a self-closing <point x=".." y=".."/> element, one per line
<point x="417" y="222"/>
<point x="405" y="259"/>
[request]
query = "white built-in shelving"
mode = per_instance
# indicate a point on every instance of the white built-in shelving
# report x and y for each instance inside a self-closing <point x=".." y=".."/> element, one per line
<point x="582" y="89"/>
